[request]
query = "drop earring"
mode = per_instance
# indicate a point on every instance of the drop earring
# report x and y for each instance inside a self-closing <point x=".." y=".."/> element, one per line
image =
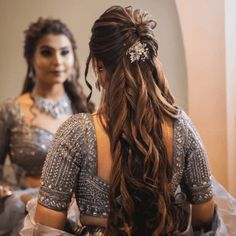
<point x="100" y="69"/>
<point x="97" y="85"/>
<point x="70" y="78"/>
<point x="31" y="74"/>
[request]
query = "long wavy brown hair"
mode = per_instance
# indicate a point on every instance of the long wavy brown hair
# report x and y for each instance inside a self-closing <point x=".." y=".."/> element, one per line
<point x="39" y="29"/>
<point x="136" y="101"/>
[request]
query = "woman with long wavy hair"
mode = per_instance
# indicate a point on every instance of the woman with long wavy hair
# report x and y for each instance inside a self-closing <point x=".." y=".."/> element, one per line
<point x="134" y="162"/>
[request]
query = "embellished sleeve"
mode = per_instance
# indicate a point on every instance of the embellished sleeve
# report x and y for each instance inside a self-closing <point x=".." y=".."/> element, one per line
<point x="5" y="119"/>
<point x="62" y="165"/>
<point x="197" y="178"/>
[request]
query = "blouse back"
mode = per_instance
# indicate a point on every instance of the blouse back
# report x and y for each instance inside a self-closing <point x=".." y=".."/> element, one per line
<point x="71" y="166"/>
<point x="26" y="145"/>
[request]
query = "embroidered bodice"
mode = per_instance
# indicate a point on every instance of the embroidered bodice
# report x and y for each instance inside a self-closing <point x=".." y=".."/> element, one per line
<point x="26" y="145"/>
<point x="71" y="167"/>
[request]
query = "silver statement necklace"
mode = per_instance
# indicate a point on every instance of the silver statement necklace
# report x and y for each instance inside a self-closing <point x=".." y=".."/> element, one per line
<point x="54" y="108"/>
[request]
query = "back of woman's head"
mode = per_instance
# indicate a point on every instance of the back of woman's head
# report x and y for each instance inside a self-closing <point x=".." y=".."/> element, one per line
<point x="136" y="101"/>
<point x="116" y="31"/>
<point x="119" y="37"/>
<point x="35" y="32"/>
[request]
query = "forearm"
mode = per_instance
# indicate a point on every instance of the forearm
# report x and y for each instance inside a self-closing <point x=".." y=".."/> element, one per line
<point x="202" y="214"/>
<point x="51" y="218"/>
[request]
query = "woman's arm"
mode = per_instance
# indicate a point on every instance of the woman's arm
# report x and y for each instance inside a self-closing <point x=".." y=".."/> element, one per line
<point x="197" y="183"/>
<point x="51" y="218"/>
<point x="60" y="172"/>
<point x="4" y="134"/>
<point x="202" y="214"/>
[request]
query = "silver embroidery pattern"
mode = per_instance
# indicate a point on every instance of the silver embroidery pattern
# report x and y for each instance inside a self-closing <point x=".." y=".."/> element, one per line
<point x="71" y="166"/>
<point x="62" y="165"/>
<point x="178" y="160"/>
<point x="197" y="177"/>
<point x="92" y="191"/>
<point x="138" y="51"/>
<point x="26" y="145"/>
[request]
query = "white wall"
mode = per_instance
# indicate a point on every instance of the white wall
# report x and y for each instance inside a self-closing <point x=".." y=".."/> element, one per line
<point x="203" y="29"/>
<point x="230" y="37"/>
<point x="79" y="15"/>
<point x="209" y="36"/>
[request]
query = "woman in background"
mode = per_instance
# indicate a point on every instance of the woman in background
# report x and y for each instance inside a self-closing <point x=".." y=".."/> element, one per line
<point x="51" y="94"/>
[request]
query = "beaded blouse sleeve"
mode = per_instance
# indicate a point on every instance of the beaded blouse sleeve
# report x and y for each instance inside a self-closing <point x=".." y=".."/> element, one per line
<point x="196" y="174"/>
<point x="62" y="164"/>
<point x="5" y="123"/>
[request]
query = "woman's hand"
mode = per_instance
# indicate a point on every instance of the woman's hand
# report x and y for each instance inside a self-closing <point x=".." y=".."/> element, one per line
<point x="5" y="191"/>
<point x="25" y="198"/>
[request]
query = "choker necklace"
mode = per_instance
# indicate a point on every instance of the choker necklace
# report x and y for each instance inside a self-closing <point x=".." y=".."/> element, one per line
<point x="54" y="108"/>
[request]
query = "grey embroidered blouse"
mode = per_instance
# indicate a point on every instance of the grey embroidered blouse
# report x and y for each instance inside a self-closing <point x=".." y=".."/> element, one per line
<point x="71" y="166"/>
<point x="26" y="145"/>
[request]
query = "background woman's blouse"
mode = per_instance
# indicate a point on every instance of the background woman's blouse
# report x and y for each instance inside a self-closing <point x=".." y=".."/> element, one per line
<point x="26" y="145"/>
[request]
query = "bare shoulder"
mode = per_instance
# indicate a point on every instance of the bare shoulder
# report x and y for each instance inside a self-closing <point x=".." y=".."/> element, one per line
<point x="24" y="99"/>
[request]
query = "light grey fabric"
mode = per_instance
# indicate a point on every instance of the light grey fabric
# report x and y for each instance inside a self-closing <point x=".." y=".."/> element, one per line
<point x="26" y="145"/>
<point x="32" y="229"/>
<point x="226" y="209"/>
<point x="14" y="212"/>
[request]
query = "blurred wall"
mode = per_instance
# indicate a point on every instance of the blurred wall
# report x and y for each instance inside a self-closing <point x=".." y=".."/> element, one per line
<point x="209" y="36"/>
<point x="79" y="15"/>
<point x="230" y="38"/>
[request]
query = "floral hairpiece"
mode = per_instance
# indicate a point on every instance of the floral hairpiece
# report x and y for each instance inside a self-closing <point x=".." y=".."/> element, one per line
<point x="138" y="51"/>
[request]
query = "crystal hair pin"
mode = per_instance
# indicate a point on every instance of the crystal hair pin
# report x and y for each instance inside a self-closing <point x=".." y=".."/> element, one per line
<point x="138" y="51"/>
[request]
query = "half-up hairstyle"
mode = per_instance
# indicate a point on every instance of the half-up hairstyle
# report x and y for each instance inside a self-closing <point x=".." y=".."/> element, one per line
<point x="136" y="101"/>
<point x="36" y="31"/>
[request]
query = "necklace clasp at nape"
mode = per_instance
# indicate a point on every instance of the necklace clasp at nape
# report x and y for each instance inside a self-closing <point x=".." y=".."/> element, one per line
<point x="54" y="108"/>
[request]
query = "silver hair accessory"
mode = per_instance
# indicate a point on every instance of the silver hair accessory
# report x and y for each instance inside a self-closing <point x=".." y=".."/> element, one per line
<point x="138" y="51"/>
<point x="54" y="108"/>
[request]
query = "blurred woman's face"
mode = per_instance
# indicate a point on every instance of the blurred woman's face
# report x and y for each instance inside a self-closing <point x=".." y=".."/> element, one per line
<point x="53" y="59"/>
